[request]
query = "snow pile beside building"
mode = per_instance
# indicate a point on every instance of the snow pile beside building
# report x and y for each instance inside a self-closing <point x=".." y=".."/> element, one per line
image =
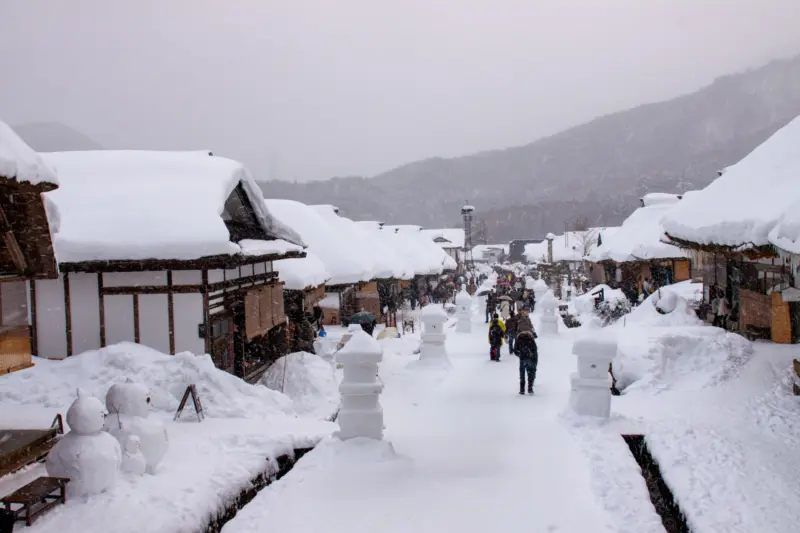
<point x="308" y="380"/>
<point x="52" y="384"/>
<point x="663" y="308"/>
<point x="686" y="358"/>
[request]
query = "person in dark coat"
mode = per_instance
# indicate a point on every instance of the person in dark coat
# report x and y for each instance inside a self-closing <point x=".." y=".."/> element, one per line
<point x="511" y="329"/>
<point x="318" y="314"/>
<point x="490" y="306"/>
<point x="528" y="354"/>
<point x="497" y="331"/>
<point x="524" y="322"/>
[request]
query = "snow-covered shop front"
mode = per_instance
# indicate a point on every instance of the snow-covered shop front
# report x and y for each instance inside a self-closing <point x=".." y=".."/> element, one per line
<point x="741" y="232"/>
<point x="173" y="250"/>
<point x="26" y="250"/>
<point x="637" y="252"/>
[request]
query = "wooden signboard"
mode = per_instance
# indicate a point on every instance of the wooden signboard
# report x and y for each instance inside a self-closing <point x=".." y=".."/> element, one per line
<point x="191" y="390"/>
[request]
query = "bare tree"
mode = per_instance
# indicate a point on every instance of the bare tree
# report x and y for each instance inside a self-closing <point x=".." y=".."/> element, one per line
<point x="585" y="236"/>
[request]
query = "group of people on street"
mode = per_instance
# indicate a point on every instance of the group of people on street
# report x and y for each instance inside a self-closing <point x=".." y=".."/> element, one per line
<point x="518" y="331"/>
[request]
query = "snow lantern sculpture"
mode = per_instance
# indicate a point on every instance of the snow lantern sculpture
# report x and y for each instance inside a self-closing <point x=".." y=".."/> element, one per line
<point x="548" y="325"/>
<point x="433" y="335"/>
<point x="352" y="328"/>
<point x="539" y="290"/>
<point x="361" y="414"/>
<point x="88" y="456"/>
<point x="129" y="406"/>
<point x="133" y="461"/>
<point x="591" y="385"/>
<point x="464" y="310"/>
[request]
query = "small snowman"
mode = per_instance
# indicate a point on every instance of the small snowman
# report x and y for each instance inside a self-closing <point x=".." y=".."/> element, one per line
<point x="89" y="457"/>
<point x="128" y="405"/>
<point x="133" y="461"/>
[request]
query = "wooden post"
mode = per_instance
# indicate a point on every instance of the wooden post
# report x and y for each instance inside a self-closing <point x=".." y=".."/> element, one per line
<point x="206" y="324"/>
<point x="102" y="309"/>
<point x="67" y="314"/>
<point x="171" y="313"/>
<point x="34" y="329"/>
<point x="136" y="331"/>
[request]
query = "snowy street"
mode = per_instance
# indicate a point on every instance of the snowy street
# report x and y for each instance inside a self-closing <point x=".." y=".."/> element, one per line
<point x="471" y="454"/>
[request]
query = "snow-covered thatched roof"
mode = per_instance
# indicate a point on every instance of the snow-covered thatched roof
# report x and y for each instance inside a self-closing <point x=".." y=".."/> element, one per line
<point x="345" y="260"/>
<point x="136" y="205"/>
<point x="751" y="204"/>
<point x="20" y="162"/>
<point x="446" y="237"/>
<point x="641" y="236"/>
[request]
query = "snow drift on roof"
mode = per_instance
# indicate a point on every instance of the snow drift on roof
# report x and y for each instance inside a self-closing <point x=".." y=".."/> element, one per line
<point x="660" y="198"/>
<point x="454" y="237"/>
<point x="20" y="162"/>
<point x="388" y="252"/>
<point x="345" y="261"/>
<point x="742" y="206"/>
<point x="426" y="257"/>
<point x="641" y="236"/>
<point x="302" y="273"/>
<point x="384" y="258"/>
<point x="117" y="205"/>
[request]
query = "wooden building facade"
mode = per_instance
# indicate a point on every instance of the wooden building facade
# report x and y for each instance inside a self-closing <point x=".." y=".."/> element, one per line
<point x="26" y="253"/>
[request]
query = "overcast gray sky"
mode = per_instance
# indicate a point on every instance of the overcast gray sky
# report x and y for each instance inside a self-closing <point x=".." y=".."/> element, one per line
<point x="311" y="89"/>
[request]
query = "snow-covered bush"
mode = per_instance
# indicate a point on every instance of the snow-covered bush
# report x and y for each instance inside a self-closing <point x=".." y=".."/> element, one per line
<point x="610" y="311"/>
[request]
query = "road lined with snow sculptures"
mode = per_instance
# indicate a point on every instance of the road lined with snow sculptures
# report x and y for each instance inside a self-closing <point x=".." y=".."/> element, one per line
<point x="463" y="451"/>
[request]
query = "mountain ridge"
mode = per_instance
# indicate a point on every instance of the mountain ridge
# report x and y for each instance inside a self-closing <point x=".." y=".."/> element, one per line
<point x="595" y="170"/>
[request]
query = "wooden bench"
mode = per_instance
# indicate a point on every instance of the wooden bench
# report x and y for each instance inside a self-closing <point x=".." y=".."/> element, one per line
<point x="36" y="497"/>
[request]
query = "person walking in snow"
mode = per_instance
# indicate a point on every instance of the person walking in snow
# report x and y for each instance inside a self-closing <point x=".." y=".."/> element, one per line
<point x="511" y="330"/>
<point x="490" y="306"/>
<point x="528" y="354"/>
<point x="523" y="322"/>
<point x="505" y="309"/>
<point x="497" y="330"/>
<point x="720" y="308"/>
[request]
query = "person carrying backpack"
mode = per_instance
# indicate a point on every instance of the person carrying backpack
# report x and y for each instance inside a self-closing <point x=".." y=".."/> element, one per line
<point x="528" y="354"/>
<point x="497" y="331"/>
<point x="511" y="330"/>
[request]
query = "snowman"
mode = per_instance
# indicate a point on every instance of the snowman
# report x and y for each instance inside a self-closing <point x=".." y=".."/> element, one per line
<point x="133" y="461"/>
<point x="128" y="407"/>
<point x="89" y="457"/>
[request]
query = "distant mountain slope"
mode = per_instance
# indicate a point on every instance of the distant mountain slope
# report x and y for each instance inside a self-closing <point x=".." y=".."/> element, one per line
<point x="598" y="169"/>
<point x="54" y="137"/>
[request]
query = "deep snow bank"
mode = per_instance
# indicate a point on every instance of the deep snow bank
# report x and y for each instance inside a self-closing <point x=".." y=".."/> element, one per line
<point x="53" y="383"/>
<point x="308" y="380"/>
<point x="688" y="358"/>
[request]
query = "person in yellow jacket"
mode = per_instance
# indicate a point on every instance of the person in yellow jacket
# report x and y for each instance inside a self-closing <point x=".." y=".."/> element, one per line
<point x="497" y="330"/>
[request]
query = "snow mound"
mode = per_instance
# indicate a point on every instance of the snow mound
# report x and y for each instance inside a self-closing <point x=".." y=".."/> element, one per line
<point x="53" y="383"/>
<point x="689" y="358"/>
<point x="308" y="380"/>
<point x="663" y="308"/>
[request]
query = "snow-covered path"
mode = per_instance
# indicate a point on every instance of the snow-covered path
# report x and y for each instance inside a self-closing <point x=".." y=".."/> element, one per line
<point x="472" y="455"/>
